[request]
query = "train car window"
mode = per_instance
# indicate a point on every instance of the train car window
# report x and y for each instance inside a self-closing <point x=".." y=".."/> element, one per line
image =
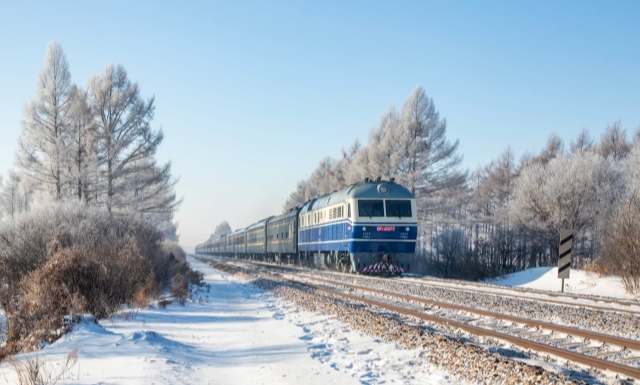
<point x="370" y="208"/>
<point x="349" y="210"/>
<point x="398" y="208"/>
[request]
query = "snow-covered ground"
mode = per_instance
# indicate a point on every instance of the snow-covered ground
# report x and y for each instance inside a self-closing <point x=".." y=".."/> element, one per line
<point x="238" y="334"/>
<point x="581" y="282"/>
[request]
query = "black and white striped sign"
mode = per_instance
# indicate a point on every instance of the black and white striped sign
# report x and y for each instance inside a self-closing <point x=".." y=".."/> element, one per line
<point x="564" y="262"/>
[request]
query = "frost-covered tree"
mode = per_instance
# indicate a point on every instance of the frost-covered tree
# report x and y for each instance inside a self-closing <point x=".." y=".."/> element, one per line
<point x="297" y="197"/>
<point x="636" y="136"/>
<point x="500" y="180"/>
<point x="82" y="162"/>
<point x="632" y="170"/>
<point x="553" y="149"/>
<point x="613" y="142"/>
<point x="15" y="195"/>
<point x="568" y="192"/>
<point x="428" y="161"/>
<point x="45" y="138"/>
<point x="221" y="230"/>
<point x="149" y="191"/>
<point x="383" y="156"/>
<point x="321" y="180"/>
<point x="349" y="157"/>
<point x="123" y="132"/>
<point x="582" y="143"/>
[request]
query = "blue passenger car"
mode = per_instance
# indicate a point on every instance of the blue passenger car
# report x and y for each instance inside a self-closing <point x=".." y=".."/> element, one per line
<point x="237" y="244"/>
<point x="256" y="240"/>
<point x="282" y="237"/>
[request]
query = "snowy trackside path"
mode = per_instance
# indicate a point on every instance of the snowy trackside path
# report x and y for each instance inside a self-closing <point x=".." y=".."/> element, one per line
<point x="235" y="334"/>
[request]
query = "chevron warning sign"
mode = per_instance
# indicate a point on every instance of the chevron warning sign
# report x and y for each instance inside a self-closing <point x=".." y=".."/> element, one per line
<point x="564" y="261"/>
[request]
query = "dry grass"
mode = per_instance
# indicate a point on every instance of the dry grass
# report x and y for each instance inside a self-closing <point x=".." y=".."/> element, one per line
<point x="36" y="371"/>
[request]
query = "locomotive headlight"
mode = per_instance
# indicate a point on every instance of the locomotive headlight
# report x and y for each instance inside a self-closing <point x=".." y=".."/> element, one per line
<point x="364" y="229"/>
<point x="407" y="229"/>
<point x="383" y="188"/>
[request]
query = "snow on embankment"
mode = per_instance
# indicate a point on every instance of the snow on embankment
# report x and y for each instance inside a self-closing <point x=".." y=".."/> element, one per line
<point x="581" y="282"/>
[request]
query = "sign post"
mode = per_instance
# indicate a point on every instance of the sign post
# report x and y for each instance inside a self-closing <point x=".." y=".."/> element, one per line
<point x="564" y="261"/>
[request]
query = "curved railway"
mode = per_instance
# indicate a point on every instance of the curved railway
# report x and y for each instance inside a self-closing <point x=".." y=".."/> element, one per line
<point x="591" y="348"/>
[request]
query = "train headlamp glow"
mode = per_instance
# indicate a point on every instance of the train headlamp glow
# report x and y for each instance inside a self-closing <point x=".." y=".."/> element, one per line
<point x="383" y="188"/>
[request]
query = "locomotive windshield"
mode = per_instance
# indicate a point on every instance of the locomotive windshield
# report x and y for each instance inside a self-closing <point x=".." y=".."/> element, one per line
<point x="396" y="208"/>
<point x="370" y="208"/>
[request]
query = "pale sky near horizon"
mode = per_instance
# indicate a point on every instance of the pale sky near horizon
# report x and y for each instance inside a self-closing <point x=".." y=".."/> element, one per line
<point x="251" y="95"/>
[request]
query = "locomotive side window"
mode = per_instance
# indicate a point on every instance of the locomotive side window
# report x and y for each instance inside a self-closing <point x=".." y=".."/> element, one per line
<point x="397" y="208"/>
<point x="370" y="208"/>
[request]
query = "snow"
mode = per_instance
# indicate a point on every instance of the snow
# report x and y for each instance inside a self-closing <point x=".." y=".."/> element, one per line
<point x="580" y="282"/>
<point x="236" y="333"/>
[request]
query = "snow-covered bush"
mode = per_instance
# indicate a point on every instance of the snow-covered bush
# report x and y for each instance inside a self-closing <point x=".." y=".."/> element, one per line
<point x="64" y="259"/>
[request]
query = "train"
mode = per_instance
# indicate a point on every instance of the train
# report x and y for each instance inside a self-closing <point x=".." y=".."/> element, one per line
<point x="370" y="223"/>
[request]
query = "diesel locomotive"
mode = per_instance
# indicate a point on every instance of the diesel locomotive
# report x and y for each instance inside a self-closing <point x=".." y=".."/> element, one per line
<point x="348" y="230"/>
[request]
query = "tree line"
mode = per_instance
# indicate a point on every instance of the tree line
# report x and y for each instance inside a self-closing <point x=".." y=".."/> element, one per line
<point x="505" y="216"/>
<point x="94" y="145"/>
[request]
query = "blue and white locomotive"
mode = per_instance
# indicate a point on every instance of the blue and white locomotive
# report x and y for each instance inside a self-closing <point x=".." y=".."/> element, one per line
<point x="347" y="230"/>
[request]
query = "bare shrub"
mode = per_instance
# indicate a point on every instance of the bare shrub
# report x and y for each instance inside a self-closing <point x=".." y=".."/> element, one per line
<point x="67" y="284"/>
<point x="35" y="371"/>
<point x="144" y="294"/>
<point x="163" y="303"/>
<point x="451" y="248"/>
<point x="598" y="268"/>
<point x="622" y="245"/>
<point x="64" y="258"/>
<point x="179" y="288"/>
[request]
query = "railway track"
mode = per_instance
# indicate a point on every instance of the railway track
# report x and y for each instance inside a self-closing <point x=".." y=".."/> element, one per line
<point x="580" y="346"/>
<point x="589" y="348"/>
<point x="562" y="299"/>
<point x="570" y="355"/>
<point x="591" y="302"/>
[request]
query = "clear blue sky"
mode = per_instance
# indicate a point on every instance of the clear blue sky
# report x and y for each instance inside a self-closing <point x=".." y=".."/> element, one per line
<point x="251" y="95"/>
